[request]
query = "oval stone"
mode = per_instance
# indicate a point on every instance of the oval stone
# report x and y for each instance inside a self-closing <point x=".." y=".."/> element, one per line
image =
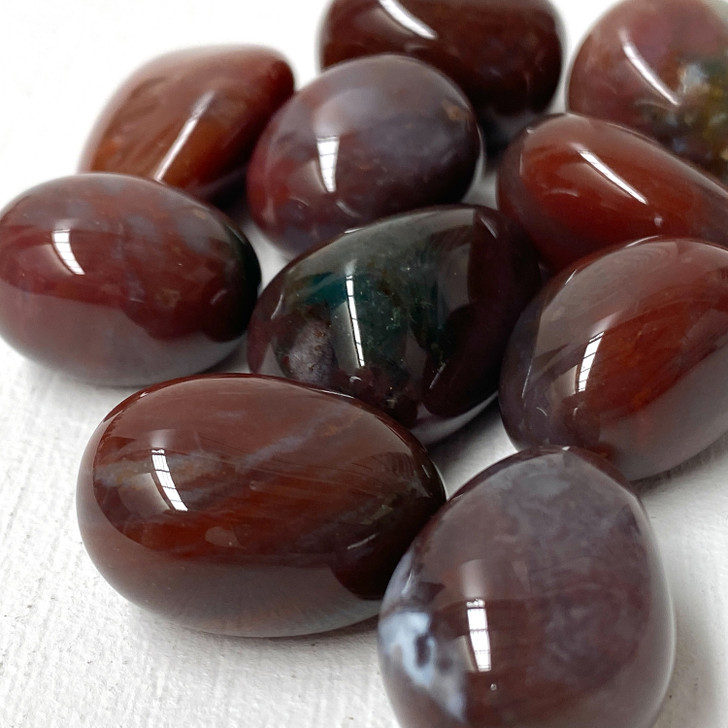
<point x="660" y="66"/>
<point x="506" y="56"/>
<point x="535" y="597"/>
<point x="577" y="185"/>
<point x="252" y="506"/>
<point x="366" y="139"/>
<point x="625" y="354"/>
<point x="410" y="314"/>
<point x="190" y="118"/>
<point x="119" y="280"/>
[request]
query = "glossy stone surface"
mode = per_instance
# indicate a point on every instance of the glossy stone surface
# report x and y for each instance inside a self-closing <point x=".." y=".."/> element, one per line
<point x="252" y="506"/>
<point x="660" y="66"/>
<point x="369" y="138"/>
<point x="625" y="355"/>
<point x="190" y="118"/>
<point x="120" y="280"/>
<point x="535" y="598"/>
<point x="505" y="54"/>
<point x="411" y="314"/>
<point x="577" y="185"/>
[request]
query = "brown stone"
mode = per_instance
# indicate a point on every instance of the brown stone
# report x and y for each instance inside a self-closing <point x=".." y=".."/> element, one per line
<point x="535" y="597"/>
<point x="252" y="506"/>
<point x="190" y="118"/>
<point x="625" y="355"/>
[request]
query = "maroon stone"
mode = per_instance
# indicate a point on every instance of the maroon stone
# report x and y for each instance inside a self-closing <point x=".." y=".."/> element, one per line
<point x="252" y="506"/>
<point x="190" y="118"/>
<point x="119" y="280"/>
<point x="625" y="355"/>
<point x="577" y="185"/>
<point x="369" y="138"/>
<point x="410" y="314"/>
<point x="660" y="66"/>
<point x="535" y="598"/>
<point x="505" y="54"/>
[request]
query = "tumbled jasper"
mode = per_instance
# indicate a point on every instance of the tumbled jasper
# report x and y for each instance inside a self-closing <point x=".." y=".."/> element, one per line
<point x="506" y="56"/>
<point x="578" y="184"/>
<point x="119" y="280"/>
<point x="660" y="66"/>
<point x="368" y="138"/>
<point x="411" y="314"/>
<point x="250" y="505"/>
<point x="190" y="118"/>
<point x="625" y="354"/>
<point x="535" y="597"/>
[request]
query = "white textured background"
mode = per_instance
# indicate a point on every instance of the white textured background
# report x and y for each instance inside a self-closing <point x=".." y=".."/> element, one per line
<point x="72" y="652"/>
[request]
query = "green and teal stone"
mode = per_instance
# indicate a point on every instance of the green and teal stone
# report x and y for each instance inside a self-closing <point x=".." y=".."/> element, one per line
<point x="410" y="314"/>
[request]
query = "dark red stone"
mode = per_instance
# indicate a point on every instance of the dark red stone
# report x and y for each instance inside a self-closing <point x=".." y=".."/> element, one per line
<point x="190" y="118"/>
<point x="625" y="355"/>
<point x="535" y="598"/>
<point x="505" y="54"/>
<point x="410" y="314"/>
<point x="252" y="506"/>
<point x="369" y="138"/>
<point x="660" y="66"/>
<point x="577" y="184"/>
<point x="123" y="281"/>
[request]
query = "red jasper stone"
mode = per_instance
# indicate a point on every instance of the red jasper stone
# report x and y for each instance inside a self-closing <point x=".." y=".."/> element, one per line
<point x="625" y="354"/>
<point x="410" y="314"/>
<point x="120" y="280"/>
<point x="535" y="597"/>
<point x="505" y="54"/>
<point x="660" y="66"/>
<point x="366" y="139"/>
<point x="190" y="118"/>
<point x="252" y="506"/>
<point x="577" y="184"/>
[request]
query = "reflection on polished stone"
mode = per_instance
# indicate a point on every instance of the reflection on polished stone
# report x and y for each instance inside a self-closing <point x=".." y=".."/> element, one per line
<point x="536" y="598"/>
<point x="625" y="354"/>
<point x="368" y="138"/>
<point x="577" y="185"/>
<point x="122" y="281"/>
<point x="410" y="314"/>
<point x="190" y="118"/>
<point x="252" y="506"/>
<point x="506" y="56"/>
<point x="660" y="67"/>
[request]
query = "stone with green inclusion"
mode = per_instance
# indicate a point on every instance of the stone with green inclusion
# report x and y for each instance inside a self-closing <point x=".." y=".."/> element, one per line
<point x="660" y="67"/>
<point x="410" y="314"/>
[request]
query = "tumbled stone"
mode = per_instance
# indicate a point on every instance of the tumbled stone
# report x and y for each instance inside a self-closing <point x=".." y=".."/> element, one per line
<point x="119" y="280"/>
<point x="506" y="56"/>
<point x="577" y="185"/>
<point x="366" y="139"/>
<point x="535" y="597"/>
<point x="250" y="505"/>
<point x="190" y="118"/>
<point x="411" y="314"/>
<point x="625" y="354"/>
<point x="660" y="66"/>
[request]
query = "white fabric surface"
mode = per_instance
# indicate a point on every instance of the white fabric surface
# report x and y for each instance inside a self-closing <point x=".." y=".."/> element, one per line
<point x="73" y="652"/>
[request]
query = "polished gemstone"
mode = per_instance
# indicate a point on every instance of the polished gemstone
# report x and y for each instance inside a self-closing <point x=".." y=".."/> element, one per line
<point x="410" y="314"/>
<point x="190" y="118"/>
<point x="506" y="55"/>
<point x="120" y="280"/>
<point x="535" y="597"/>
<point x="660" y="66"/>
<point x="625" y="355"/>
<point x="577" y="185"/>
<point x="368" y="138"/>
<point x="252" y="506"/>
